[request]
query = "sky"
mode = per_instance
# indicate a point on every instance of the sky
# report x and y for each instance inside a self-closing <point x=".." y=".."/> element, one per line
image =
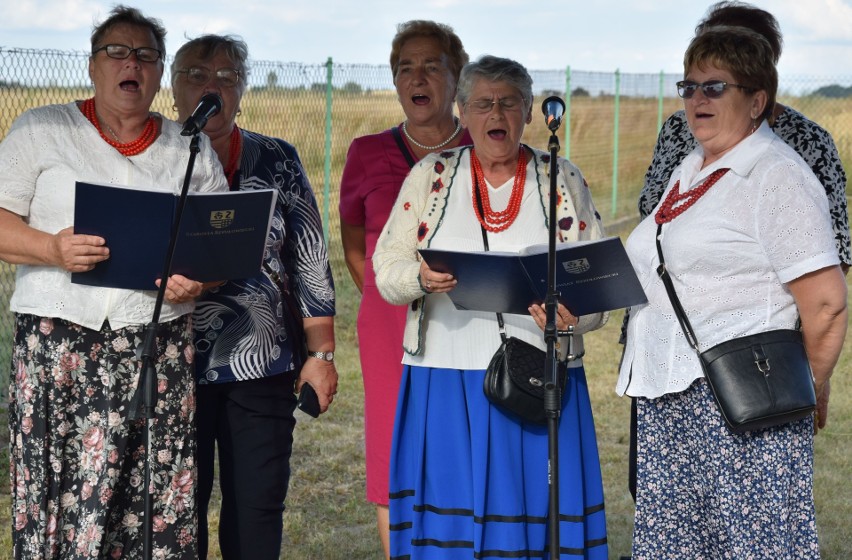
<point x="634" y="36"/>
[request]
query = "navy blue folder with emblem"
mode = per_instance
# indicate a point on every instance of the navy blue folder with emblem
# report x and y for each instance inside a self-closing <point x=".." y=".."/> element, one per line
<point x="222" y="235"/>
<point x="591" y="276"/>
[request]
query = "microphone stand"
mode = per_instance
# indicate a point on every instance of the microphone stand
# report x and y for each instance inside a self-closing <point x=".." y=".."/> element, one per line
<point x="145" y="390"/>
<point x="552" y="387"/>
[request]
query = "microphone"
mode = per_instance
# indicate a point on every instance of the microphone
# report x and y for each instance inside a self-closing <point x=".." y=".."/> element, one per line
<point x="209" y="105"/>
<point x="553" y="109"/>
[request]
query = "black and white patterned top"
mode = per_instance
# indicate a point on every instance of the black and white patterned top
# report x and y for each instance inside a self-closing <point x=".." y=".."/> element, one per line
<point x="810" y="141"/>
<point x="251" y="328"/>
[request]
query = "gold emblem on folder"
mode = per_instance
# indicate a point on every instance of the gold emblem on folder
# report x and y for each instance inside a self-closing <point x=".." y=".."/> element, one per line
<point x="577" y="266"/>
<point x="221" y="218"/>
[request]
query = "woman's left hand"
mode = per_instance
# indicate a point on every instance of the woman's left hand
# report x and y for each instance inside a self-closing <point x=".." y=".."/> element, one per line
<point x="180" y="289"/>
<point x="322" y="376"/>
<point x="564" y="319"/>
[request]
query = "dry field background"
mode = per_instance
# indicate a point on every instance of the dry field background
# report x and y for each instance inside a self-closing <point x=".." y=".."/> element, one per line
<point x="327" y="516"/>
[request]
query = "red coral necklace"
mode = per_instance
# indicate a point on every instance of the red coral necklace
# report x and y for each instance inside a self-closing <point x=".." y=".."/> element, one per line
<point x="667" y="212"/>
<point x="234" y="152"/>
<point x="142" y="143"/>
<point x="490" y="219"/>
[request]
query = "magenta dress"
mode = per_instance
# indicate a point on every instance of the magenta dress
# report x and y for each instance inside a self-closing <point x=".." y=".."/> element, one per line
<point x="372" y="178"/>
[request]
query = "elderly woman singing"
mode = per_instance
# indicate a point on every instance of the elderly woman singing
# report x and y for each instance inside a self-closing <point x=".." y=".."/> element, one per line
<point x="76" y="460"/>
<point x="469" y="480"/>
<point x="426" y="59"/>
<point x="747" y="237"/>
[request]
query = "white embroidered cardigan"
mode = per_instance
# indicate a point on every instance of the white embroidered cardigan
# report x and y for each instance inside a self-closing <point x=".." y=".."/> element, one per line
<point x="418" y="213"/>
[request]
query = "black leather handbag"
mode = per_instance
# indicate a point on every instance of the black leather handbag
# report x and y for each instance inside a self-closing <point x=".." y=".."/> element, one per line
<point x="514" y="380"/>
<point x="758" y="381"/>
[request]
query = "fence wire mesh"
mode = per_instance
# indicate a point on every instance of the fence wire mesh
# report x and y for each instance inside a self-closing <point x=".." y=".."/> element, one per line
<point x="609" y="130"/>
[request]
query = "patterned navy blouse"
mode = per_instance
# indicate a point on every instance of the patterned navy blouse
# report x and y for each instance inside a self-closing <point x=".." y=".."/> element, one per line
<point x="248" y="329"/>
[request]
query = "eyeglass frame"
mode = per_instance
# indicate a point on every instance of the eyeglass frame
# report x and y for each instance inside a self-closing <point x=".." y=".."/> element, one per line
<point x="695" y="86"/>
<point x="499" y="101"/>
<point x="130" y="51"/>
<point x="211" y="75"/>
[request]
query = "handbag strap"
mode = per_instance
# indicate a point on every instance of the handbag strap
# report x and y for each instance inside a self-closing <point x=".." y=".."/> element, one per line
<point x="664" y="275"/>
<point x="402" y="147"/>
<point x="500" y="323"/>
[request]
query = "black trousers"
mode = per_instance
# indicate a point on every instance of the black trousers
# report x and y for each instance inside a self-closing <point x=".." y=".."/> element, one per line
<point x="252" y="422"/>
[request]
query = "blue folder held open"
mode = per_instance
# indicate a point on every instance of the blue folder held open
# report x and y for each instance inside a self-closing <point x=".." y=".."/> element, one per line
<point x="591" y="276"/>
<point x="222" y="235"/>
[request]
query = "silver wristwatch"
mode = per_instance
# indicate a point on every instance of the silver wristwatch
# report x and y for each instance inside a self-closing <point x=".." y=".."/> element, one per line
<point x="327" y="356"/>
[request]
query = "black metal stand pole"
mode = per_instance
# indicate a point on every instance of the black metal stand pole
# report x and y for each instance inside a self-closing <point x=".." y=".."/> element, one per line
<point x="552" y="388"/>
<point x="143" y="403"/>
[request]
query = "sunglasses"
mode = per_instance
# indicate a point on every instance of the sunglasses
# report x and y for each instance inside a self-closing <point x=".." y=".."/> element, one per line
<point x="120" y="52"/>
<point x="711" y="90"/>
<point x="225" y="77"/>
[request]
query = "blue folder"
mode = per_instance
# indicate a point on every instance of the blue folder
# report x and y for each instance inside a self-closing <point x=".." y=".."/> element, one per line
<point x="222" y="235"/>
<point x="591" y="276"/>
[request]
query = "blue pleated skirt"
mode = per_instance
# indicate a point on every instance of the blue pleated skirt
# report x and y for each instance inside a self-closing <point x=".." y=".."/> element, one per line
<point x="471" y="481"/>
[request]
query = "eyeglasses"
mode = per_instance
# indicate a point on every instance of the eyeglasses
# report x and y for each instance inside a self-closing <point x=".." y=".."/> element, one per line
<point x="484" y="105"/>
<point x="711" y="90"/>
<point x="121" y="52"/>
<point x="198" y="76"/>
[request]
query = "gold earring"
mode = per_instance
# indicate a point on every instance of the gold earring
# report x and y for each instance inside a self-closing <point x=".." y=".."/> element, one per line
<point x="239" y="111"/>
<point x="174" y="108"/>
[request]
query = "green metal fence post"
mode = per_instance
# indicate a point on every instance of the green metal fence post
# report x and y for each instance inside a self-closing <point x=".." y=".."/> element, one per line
<point x="660" y="102"/>
<point x="326" y="189"/>
<point x="617" y="110"/>
<point x="566" y="120"/>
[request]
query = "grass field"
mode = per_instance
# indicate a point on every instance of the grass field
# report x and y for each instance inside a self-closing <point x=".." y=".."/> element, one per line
<point x="327" y="517"/>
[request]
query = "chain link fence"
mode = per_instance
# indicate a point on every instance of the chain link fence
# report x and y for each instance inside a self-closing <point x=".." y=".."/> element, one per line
<point x="609" y="131"/>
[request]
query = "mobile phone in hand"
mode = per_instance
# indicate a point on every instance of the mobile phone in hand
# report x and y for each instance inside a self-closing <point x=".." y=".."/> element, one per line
<point x="308" y="400"/>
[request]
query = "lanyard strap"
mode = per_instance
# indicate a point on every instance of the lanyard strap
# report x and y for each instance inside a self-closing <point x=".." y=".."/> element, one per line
<point x="500" y="324"/>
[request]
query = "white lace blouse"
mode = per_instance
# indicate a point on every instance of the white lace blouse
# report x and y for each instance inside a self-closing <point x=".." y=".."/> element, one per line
<point x="49" y="148"/>
<point x="764" y="224"/>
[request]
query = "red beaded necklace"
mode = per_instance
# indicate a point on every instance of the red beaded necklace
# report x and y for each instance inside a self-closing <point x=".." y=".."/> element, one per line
<point x="149" y="133"/>
<point x="491" y="220"/>
<point x="234" y="152"/>
<point x="667" y="212"/>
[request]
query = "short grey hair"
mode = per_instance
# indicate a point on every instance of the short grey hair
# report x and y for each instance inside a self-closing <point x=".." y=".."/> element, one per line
<point x="207" y="46"/>
<point x="495" y="69"/>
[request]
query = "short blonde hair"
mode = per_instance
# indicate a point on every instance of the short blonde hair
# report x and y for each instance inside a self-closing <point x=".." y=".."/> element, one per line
<point x="450" y="43"/>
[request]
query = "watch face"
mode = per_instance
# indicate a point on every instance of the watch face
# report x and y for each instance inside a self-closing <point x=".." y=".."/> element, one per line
<point x="329" y="356"/>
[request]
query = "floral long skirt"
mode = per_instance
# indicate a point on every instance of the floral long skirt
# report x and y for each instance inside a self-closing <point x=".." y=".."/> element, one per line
<point x="705" y="492"/>
<point x="77" y="462"/>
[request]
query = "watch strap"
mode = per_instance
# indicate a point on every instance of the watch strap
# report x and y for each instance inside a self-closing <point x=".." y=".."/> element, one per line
<point x="326" y="356"/>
